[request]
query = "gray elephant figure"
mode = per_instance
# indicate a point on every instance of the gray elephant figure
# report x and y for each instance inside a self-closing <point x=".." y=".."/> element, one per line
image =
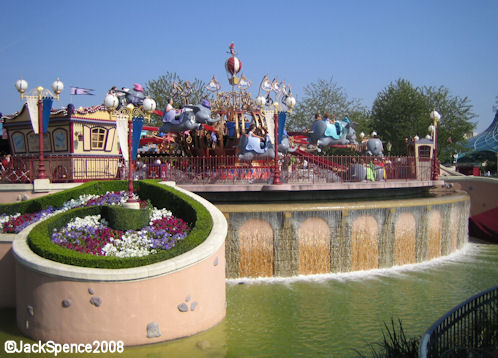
<point x="374" y="147"/>
<point x="135" y="96"/>
<point x="250" y="148"/>
<point x="351" y="135"/>
<point x="357" y="172"/>
<point x="370" y="172"/>
<point x="324" y="133"/>
<point x="191" y="118"/>
<point x="127" y="96"/>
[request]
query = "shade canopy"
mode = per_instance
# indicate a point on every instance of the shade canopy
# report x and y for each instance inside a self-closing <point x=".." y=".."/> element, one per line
<point x="487" y="140"/>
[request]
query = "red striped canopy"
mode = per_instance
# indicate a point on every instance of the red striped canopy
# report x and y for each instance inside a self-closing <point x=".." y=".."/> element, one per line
<point x="233" y="65"/>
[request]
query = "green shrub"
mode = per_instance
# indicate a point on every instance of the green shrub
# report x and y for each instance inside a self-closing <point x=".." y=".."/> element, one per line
<point x="121" y="218"/>
<point x="395" y="344"/>
<point x="181" y="205"/>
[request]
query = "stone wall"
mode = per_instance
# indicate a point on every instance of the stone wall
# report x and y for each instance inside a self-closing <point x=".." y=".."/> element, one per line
<point x="293" y="239"/>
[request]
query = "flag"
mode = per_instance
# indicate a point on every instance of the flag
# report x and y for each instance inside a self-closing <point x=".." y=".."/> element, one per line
<point x="47" y="108"/>
<point x="81" y="91"/>
<point x="138" y="123"/>
<point x="32" y="104"/>
<point x="122" y="129"/>
<point x="282" y="116"/>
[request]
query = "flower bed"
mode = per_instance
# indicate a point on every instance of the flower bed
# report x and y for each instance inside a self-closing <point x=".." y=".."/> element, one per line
<point x="92" y="235"/>
<point x="183" y="207"/>
<point x="17" y="222"/>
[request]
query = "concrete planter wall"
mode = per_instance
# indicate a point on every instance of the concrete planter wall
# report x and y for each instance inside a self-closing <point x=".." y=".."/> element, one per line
<point x="7" y="272"/>
<point x="163" y="301"/>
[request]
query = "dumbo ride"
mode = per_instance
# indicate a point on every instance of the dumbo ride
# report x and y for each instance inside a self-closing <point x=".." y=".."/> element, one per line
<point x="374" y="147"/>
<point x="323" y="133"/>
<point x="191" y="117"/>
<point x="253" y="148"/>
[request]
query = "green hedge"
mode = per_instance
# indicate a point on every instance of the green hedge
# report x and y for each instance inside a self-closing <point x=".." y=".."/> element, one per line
<point x="124" y="219"/>
<point x="181" y="205"/>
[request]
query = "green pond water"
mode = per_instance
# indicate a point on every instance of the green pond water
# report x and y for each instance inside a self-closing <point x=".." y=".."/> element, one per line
<point x="322" y="315"/>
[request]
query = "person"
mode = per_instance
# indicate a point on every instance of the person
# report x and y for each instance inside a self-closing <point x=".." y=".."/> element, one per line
<point x="252" y="133"/>
<point x="6" y="161"/>
<point x="318" y="117"/>
<point x="169" y="106"/>
<point x="170" y="113"/>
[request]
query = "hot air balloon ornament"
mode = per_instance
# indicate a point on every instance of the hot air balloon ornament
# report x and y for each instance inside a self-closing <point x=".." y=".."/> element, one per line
<point x="233" y="66"/>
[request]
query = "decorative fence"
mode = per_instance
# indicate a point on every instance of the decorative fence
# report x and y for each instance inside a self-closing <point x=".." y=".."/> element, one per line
<point x="60" y="169"/>
<point x="470" y="329"/>
<point x="293" y="169"/>
<point x="220" y="170"/>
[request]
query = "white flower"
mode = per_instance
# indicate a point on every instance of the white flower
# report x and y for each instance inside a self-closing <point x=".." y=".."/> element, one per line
<point x="4" y="219"/>
<point x="158" y="214"/>
<point x="131" y="244"/>
<point x="90" y="220"/>
<point x="81" y="201"/>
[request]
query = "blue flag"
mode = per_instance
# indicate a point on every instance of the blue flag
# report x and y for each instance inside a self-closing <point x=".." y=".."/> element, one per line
<point x="47" y="108"/>
<point x="282" y="116"/>
<point x="138" y="123"/>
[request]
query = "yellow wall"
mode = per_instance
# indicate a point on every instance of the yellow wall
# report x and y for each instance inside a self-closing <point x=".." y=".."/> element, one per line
<point x="57" y="139"/>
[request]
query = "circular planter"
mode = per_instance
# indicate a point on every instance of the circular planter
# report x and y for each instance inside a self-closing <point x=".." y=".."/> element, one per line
<point x="166" y="300"/>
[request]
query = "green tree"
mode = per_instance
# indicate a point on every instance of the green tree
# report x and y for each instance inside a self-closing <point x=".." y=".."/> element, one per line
<point x="162" y="89"/>
<point x="456" y="115"/>
<point x="325" y="96"/>
<point x="400" y="111"/>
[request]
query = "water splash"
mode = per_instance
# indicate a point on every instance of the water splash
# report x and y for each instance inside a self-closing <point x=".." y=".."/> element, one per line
<point x="465" y="254"/>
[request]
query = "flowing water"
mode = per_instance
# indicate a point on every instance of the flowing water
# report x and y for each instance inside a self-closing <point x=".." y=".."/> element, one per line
<point x="285" y="240"/>
<point x="327" y="315"/>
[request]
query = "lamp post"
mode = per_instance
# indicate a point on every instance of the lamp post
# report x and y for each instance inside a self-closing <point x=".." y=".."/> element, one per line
<point x="129" y="112"/>
<point x="435" y="116"/>
<point x="284" y="93"/>
<point x="57" y="87"/>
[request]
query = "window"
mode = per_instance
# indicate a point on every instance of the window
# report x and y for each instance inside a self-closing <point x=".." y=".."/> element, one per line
<point x="59" y="136"/>
<point x="424" y="151"/>
<point x="18" y="142"/>
<point x="98" y="138"/>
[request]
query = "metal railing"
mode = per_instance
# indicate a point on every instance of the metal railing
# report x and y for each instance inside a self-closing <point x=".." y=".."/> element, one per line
<point x="60" y="169"/>
<point x="470" y="328"/>
<point x="293" y="169"/>
<point x="303" y="168"/>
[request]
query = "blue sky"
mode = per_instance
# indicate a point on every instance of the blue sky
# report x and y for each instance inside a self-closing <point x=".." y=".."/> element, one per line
<point x="363" y="44"/>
